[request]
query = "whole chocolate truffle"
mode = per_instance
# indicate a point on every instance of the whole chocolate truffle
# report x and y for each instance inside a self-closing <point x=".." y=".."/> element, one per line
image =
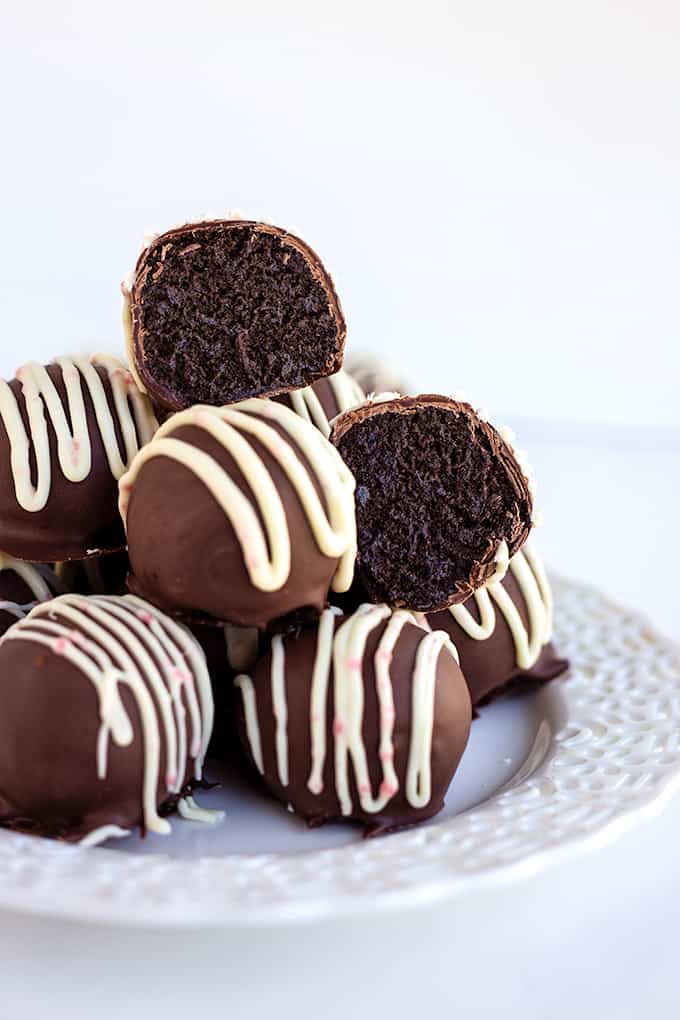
<point x="68" y="431"/>
<point x="242" y="513"/>
<point x="105" y="716"/>
<point x="502" y="633"/>
<point x="227" y="309"/>
<point x="321" y="402"/>
<point x="441" y="500"/>
<point x="361" y="718"/>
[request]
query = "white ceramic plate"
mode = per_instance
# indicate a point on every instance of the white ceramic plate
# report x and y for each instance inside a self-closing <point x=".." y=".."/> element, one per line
<point x="561" y="770"/>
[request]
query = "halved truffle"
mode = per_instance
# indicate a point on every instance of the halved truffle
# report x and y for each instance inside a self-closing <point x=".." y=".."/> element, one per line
<point x="223" y="310"/>
<point x="441" y="500"/>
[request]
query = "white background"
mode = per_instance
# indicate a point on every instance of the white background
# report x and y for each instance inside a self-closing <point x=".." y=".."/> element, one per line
<point x="494" y="183"/>
<point x="495" y="186"/>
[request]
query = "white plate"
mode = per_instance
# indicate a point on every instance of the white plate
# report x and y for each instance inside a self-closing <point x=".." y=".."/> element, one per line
<point x="562" y="770"/>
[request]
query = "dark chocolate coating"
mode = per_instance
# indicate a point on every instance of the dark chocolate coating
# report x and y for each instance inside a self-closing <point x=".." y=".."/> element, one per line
<point x="98" y="575"/>
<point x="223" y="310"/>
<point x="80" y="519"/>
<point x="438" y="489"/>
<point x="452" y="717"/>
<point x="49" y="726"/>
<point x="213" y="641"/>
<point x="186" y="558"/>
<point x="490" y="666"/>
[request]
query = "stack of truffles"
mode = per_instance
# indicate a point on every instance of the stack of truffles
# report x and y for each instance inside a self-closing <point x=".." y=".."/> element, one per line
<point x="224" y="547"/>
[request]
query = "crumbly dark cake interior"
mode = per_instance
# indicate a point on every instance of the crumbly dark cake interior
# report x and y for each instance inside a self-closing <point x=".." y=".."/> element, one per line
<point x="233" y="312"/>
<point x="430" y="493"/>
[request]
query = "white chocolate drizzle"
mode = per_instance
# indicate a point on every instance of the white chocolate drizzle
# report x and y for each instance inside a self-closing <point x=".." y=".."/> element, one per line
<point x="346" y="393"/>
<point x="340" y="653"/>
<point x="527" y="569"/>
<point x="133" y="412"/>
<point x="260" y="523"/>
<point x="29" y="574"/>
<point x="125" y="642"/>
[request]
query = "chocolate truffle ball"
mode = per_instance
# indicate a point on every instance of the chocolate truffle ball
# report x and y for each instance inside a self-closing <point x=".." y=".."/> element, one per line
<point x="242" y="513"/>
<point x="67" y="433"/>
<point x="105" y="716"/>
<point x="227" y="309"/>
<point x="441" y="500"/>
<point x="321" y="402"/>
<point x="502" y="633"/>
<point x="361" y="718"/>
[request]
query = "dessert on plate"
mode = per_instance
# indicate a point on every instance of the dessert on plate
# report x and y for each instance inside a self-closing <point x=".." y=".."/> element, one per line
<point x="313" y="584"/>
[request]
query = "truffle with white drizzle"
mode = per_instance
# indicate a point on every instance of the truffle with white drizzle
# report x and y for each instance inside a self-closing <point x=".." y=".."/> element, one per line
<point x="68" y="431"/>
<point x="105" y="716"/>
<point x="242" y="513"/>
<point x="325" y="399"/>
<point x="502" y="633"/>
<point x="360" y="718"/>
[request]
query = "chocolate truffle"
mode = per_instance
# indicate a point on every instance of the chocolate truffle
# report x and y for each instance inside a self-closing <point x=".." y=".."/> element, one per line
<point x="441" y="500"/>
<point x="242" y="513"/>
<point x="321" y="402"/>
<point x="227" y="309"/>
<point x="502" y="633"/>
<point x="361" y="718"/>
<point x="105" y="716"/>
<point x="68" y="431"/>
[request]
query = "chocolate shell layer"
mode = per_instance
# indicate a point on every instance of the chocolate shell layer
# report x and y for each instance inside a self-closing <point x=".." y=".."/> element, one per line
<point x="442" y="502"/>
<point x="68" y="431"/>
<point x="105" y="717"/>
<point x="223" y="310"/>
<point x="361" y="718"/>
<point x="242" y="513"/>
<point x="502" y="633"/>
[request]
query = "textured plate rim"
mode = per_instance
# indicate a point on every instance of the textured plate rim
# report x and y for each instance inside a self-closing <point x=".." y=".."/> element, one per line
<point x="29" y="864"/>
